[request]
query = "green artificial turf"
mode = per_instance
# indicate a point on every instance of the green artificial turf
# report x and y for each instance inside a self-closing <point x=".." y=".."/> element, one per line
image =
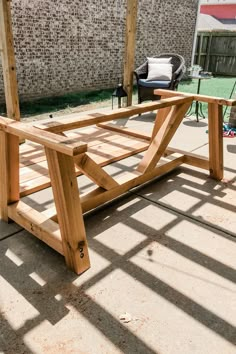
<point x="217" y="87"/>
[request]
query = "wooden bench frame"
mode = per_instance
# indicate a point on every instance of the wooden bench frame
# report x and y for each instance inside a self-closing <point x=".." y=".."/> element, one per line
<point x="63" y="228"/>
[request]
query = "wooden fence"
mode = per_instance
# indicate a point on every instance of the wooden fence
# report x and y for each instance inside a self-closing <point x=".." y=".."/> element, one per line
<point x="216" y="52"/>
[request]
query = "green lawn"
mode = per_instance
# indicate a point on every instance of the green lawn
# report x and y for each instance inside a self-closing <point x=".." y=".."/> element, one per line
<point x="220" y="86"/>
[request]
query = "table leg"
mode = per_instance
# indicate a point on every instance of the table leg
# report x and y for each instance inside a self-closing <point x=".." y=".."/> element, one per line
<point x="201" y="111"/>
<point x="197" y="111"/>
<point x="197" y="103"/>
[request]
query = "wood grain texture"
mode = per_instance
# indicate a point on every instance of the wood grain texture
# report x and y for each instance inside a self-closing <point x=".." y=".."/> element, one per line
<point x="163" y="138"/>
<point x="127" y="181"/>
<point x="69" y="212"/>
<point x="8" y="61"/>
<point x="160" y="118"/>
<point x="130" y="44"/>
<point x="59" y="143"/>
<point x="215" y="132"/>
<point x="125" y="131"/>
<point x="37" y="224"/>
<point x="9" y="172"/>
<point x="93" y="171"/>
<point x="201" y="98"/>
<point x="74" y="121"/>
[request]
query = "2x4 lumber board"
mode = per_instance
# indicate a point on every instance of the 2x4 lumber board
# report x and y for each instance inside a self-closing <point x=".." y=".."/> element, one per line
<point x="8" y="61"/>
<point x="130" y="44"/>
<point x="97" y="118"/>
<point x="160" y="118"/>
<point x="93" y="171"/>
<point x="125" y="131"/>
<point x="129" y="180"/>
<point x="69" y="212"/>
<point x="56" y="142"/>
<point x="215" y="124"/>
<point x="190" y="158"/>
<point x="37" y="224"/>
<point x="9" y="172"/>
<point x="163" y="138"/>
<point x="201" y="98"/>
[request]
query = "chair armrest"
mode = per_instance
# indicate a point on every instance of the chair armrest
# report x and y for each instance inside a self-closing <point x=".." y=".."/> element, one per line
<point x="142" y="71"/>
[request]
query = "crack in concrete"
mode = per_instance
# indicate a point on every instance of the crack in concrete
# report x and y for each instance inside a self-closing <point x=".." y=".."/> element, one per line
<point x="182" y="213"/>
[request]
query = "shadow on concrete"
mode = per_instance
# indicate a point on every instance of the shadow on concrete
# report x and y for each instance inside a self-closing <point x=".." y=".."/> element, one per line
<point x="194" y="123"/>
<point x="37" y="258"/>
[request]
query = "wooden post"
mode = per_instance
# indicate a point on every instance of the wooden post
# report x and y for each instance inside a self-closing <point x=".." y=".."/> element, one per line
<point x="215" y="132"/>
<point x="69" y="211"/>
<point x="9" y="172"/>
<point x="8" y="61"/>
<point x="131" y="24"/>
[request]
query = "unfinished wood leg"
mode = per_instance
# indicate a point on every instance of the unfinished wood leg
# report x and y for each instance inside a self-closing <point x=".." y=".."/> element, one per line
<point x="160" y="118"/>
<point x="162" y="138"/>
<point x="69" y="212"/>
<point x="215" y="132"/>
<point x="9" y="172"/>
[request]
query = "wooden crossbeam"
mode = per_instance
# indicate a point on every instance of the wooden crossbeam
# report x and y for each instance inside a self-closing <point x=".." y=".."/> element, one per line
<point x="59" y="143"/>
<point x="190" y="158"/>
<point x="125" y="131"/>
<point x="201" y="98"/>
<point x="69" y="212"/>
<point x="163" y="137"/>
<point x="93" y="171"/>
<point x="74" y="121"/>
<point x="36" y="223"/>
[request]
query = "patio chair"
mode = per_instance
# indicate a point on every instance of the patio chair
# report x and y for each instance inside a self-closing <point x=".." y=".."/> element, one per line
<point x="146" y="87"/>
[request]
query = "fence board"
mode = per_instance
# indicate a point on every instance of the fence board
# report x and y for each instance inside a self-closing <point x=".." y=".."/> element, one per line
<point x="216" y="52"/>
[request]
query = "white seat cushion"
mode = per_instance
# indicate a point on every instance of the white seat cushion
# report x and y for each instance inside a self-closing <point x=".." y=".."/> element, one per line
<point x="159" y="72"/>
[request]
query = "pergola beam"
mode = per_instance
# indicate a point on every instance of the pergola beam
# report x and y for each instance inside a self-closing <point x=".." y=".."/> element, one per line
<point x="8" y="61"/>
<point x="130" y="44"/>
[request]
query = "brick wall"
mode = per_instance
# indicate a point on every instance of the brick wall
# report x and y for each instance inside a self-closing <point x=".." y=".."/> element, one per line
<point x="73" y="45"/>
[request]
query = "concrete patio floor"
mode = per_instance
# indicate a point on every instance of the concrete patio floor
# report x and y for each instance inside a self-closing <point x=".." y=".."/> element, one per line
<point x="162" y="276"/>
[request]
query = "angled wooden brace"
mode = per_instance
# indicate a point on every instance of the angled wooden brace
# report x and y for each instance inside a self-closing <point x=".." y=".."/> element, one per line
<point x="93" y="171"/>
<point x="160" y="118"/>
<point x="164" y="136"/>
